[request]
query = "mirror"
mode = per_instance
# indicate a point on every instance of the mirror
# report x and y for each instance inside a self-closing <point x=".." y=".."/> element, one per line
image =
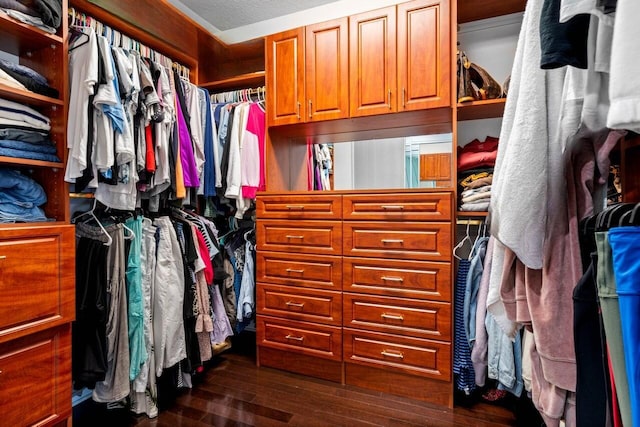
<point x="422" y="161"/>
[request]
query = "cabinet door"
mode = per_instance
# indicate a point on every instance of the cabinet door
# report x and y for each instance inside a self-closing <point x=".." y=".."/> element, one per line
<point x="424" y="55"/>
<point x="372" y="67"/>
<point x="327" y="64"/>
<point x="285" y="77"/>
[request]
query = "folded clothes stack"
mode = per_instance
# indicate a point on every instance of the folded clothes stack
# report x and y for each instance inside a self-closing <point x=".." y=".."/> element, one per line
<point x="475" y="174"/>
<point x="44" y="14"/>
<point x="24" y="133"/>
<point x="20" y="198"/>
<point x="21" y="77"/>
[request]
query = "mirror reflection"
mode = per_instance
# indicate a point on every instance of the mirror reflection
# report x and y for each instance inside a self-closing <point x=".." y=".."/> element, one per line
<point x="411" y="162"/>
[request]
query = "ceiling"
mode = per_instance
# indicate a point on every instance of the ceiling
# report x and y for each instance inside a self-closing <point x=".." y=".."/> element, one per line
<point x="234" y="21"/>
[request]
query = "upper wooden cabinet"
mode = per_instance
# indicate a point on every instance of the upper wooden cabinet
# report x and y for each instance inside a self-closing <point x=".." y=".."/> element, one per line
<point x="372" y="39"/>
<point x="284" y="58"/>
<point x="424" y="55"/>
<point x="327" y="70"/>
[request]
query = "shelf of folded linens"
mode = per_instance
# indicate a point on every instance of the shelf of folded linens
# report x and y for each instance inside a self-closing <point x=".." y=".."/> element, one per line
<point x="4" y="160"/>
<point x="26" y="97"/>
<point x="18" y="38"/>
<point x="485" y="109"/>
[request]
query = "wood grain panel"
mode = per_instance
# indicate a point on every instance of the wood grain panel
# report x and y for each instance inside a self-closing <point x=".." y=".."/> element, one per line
<point x="372" y="64"/>
<point x="407" y="240"/>
<point x="425" y="358"/>
<point x="410" y="279"/>
<point x="424" y="55"/>
<point x="285" y="77"/>
<point x="310" y="305"/>
<point x="330" y="370"/>
<point x="313" y="237"/>
<point x="311" y="339"/>
<point x="327" y="70"/>
<point x="311" y="206"/>
<point x="402" y="207"/>
<point x="402" y="316"/>
<point x="468" y="10"/>
<point x="35" y="378"/>
<point x="37" y="269"/>
<point x="313" y="271"/>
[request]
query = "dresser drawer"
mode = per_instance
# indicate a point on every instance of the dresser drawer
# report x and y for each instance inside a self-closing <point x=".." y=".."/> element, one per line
<point x="313" y="237"/>
<point x="312" y="305"/>
<point x="314" y="271"/>
<point x="37" y="270"/>
<point x="410" y="317"/>
<point x="413" y="356"/>
<point x="400" y="207"/>
<point x="410" y="279"/>
<point x="300" y="337"/>
<point x="35" y="378"/>
<point x="406" y="240"/>
<point x="316" y="206"/>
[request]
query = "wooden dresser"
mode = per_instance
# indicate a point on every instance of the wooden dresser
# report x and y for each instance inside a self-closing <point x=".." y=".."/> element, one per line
<point x="356" y="288"/>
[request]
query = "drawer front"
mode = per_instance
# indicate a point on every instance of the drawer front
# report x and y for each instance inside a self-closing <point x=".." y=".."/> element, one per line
<point x="35" y="378"/>
<point x="300" y="337"/>
<point x="311" y="305"/>
<point x="314" y="271"/>
<point x="312" y="237"/>
<point x="400" y="207"/>
<point x="407" y="241"/>
<point x="318" y="206"/>
<point x="413" y="356"/>
<point x="37" y="269"/>
<point x="414" y="318"/>
<point x="410" y="279"/>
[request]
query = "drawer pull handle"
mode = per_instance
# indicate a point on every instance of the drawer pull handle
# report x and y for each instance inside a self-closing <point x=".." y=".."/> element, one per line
<point x="294" y="237"/>
<point x="3" y="257"/>
<point x="396" y="355"/>
<point x="294" y="304"/>
<point x="293" y="270"/>
<point x="400" y="241"/>
<point x="295" y="207"/>
<point x="392" y="279"/>
<point x="399" y="317"/>
<point x="294" y="338"/>
<point x="393" y="207"/>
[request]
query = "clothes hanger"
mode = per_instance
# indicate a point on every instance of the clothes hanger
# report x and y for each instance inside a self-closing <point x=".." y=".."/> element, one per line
<point x="92" y="216"/>
<point x="461" y="244"/>
<point x="617" y="213"/>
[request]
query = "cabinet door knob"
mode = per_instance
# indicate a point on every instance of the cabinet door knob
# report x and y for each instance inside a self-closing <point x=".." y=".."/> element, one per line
<point x="298" y="112"/>
<point x="399" y="241"/>
<point x="293" y="270"/>
<point x="294" y="338"/>
<point x="392" y="279"/>
<point x="399" y="317"/>
<point x="3" y="257"/>
<point x="295" y="207"/>
<point x="392" y="207"/>
<point x="404" y="97"/>
<point x="389" y="99"/>
<point x="294" y="237"/>
<point x="310" y="109"/>
<point x="294" y="304"/>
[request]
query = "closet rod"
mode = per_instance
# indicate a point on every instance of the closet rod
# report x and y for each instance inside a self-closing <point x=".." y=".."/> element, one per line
<point x="81" y="195"/>
<point x="117" y="39"/>
<point x="469" y="222"/>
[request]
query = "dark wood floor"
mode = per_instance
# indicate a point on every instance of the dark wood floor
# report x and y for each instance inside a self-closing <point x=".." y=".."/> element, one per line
<point x="234" y="392"/>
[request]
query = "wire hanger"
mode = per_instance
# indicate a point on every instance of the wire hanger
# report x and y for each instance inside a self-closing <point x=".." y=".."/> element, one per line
<point x="466" y="238"/>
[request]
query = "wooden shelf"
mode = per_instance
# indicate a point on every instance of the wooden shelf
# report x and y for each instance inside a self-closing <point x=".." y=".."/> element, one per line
<point x="242" y="81"/>
<point x="20" y="38"/>
<point x="464" y="214"/>
<point x="487" y="109"/>
<point x="26" y="97"/>
<point x="470" y="10"/>
<point x="28" y="162"/>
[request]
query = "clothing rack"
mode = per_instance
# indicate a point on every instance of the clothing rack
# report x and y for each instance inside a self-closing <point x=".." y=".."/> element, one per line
<point x="239" y="95"/>
<point x="117" y="39"/>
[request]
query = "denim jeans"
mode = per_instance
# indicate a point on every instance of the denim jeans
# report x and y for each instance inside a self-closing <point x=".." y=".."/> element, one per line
<point x="20" y="197"/>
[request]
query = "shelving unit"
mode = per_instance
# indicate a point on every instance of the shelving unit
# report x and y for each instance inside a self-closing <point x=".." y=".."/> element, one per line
<point x="463" y="214"/>
<point x="487" y="109"/>
<point x="29" y="162"/>
<point x="243" y="80"/>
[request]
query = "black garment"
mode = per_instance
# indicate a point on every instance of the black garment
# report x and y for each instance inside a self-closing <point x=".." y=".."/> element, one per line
<point x="50" y="11"/>
<point x="562" y="44"/>
<point x="30" y="83"/>
<point x="608" y="6"/>
<point x="224" y="161"/>
<point x="592" y="385"/>
<point x="89" y="349"/>
<point x="16" y="5"/>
